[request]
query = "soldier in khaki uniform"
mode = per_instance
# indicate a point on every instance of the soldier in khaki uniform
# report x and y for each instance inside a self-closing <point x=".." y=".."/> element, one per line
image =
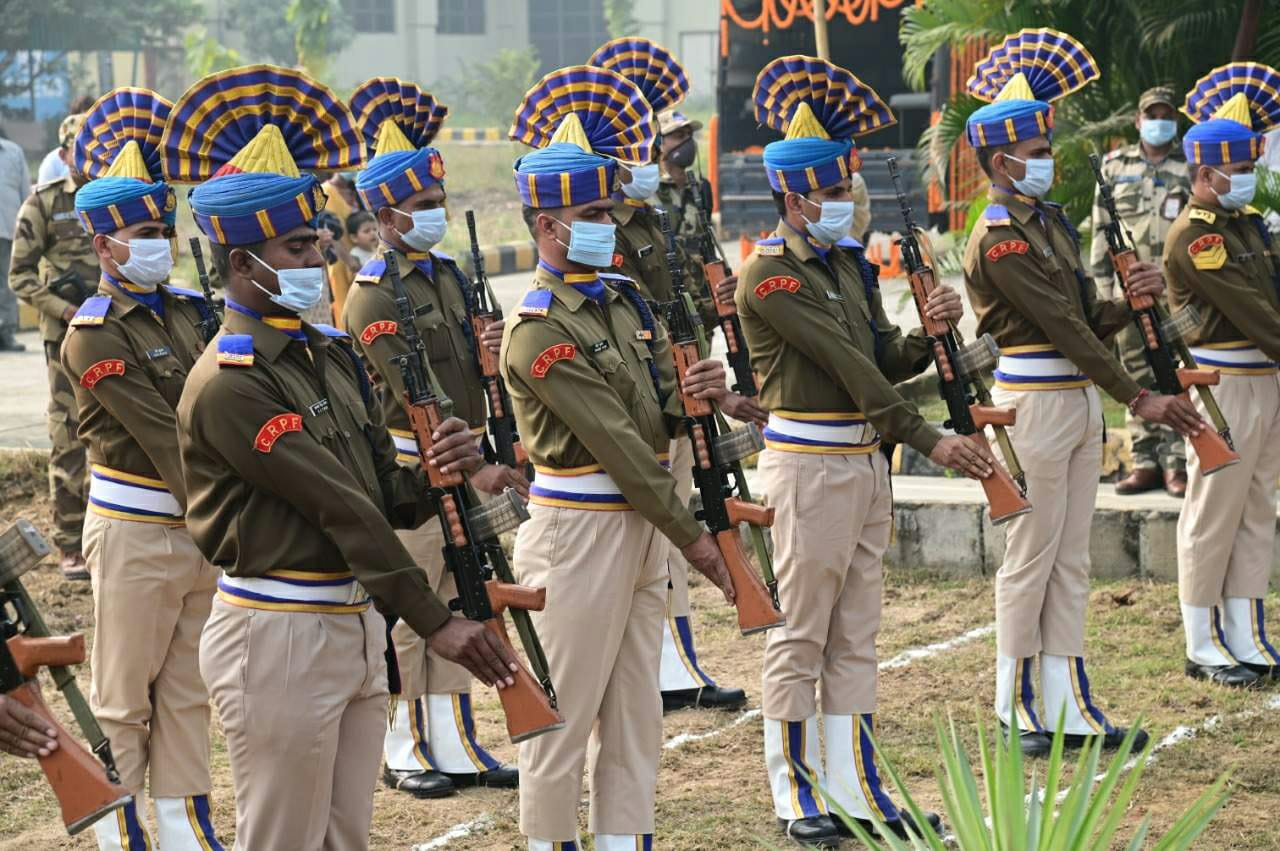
<point x="1221" y="259"/>
<point x="827" y="358"/>
<point x="292" y="483"/>
<point x="1151" y="187"/>
<point x="1026" y="285"/>
<point x="641" y="256"/>
<point x="129" y="348"/>
<point x="430" y="747"/>
<point x="53" y="269"/>
<point x="592" y="382"/>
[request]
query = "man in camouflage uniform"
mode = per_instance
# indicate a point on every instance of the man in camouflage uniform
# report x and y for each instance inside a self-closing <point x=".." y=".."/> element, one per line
<point x="53" y="269"/>
<point x="680" y="191"/>
<point x="1151" y="188"/>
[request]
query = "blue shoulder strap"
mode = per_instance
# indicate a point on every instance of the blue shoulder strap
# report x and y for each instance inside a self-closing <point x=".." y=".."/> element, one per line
<point x="629" y="291"/>
<point x="870" y="273"/>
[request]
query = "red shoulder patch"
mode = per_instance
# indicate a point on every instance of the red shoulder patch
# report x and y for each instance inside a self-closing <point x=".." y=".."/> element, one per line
<point x="770" y="286"/>
<point x="273" y="428"/>
<point x="1207" y="241"/>
<point x="374" y="330"/>
<point x="551" y="354"/>
<point x="617" y="259"/>
<point x="100" y="370"/>
<point x="1009" y="246"/>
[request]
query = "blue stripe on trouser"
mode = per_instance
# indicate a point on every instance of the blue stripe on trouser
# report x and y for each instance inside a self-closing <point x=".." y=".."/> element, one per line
<point x="684" y="634"/>
<point x="644" y="842"/>
<point x="200" y="803"/>
<point x="421" y="745"/>
<point x="1262" y="633"/>
<point x="469" y="730"/>
<point x="871" y="777"/>
<point x="1027" y="694"/>
<point x="800" y="771"/>
<point x="1218" y="633"/>
<point x="135" y="838"/>
<point x="1094" y="712"/>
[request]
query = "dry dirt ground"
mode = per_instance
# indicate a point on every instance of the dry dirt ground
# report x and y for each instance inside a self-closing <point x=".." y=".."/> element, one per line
<point x="713" y="791"/>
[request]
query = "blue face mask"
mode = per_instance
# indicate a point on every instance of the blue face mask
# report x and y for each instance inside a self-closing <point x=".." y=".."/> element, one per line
<point x="1157" y="131"/>
<point x="1039" y="177"/>
<point x="428" y="228"/>
<point x="644" y="182"/>
<point x="1243" y="186"/>
<point x="590" y="243"/>
<point x="300" y="289"/>
<point x="834" y="222"/>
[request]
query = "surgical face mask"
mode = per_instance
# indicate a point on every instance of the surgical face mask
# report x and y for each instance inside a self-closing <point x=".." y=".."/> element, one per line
<point x="1039" y="177"/>
<point x="1241" y="192"/>
<point x="428" y="228"/>
<point x="590" y="243"/>
<point x="1157" y="131"/>
<point x="834" y="222"/>
<point x="149" y="264"/>
<point x="300" y="289"/>
<point x="644" y="182"/>
<point x="683" y="155"/>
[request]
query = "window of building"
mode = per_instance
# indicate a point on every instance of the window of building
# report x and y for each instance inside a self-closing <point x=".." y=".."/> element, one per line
<point x="372" y="16"/>
<point x="565" y="32"/>
<point x="461" y="17"/>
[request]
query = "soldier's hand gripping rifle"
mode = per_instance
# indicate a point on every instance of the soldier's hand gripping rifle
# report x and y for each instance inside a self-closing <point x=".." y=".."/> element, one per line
<point x="717" y="471"/>
<point x="960" y="382"/>
<point x="1162" y="340"/>
<point x="86" y="791"/>
<point x="209" y="321"/>
<point x="484" y="312"/>
<point x="471" y="550"/>
<point x="716" y="268"/>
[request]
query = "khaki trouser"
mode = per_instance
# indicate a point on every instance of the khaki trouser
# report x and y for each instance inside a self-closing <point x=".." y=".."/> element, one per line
<point x="1154" y="446"/>
<point x="303" y="701"/>
<point x="68" y="472"/>
<point x="1042" y="588"/>
<point x="830" y="530"/>
<point x="421" y="670"/>
<point x="152" y="590"/>
<point x="1228" y="523"/>
<point x="606" y="576"/>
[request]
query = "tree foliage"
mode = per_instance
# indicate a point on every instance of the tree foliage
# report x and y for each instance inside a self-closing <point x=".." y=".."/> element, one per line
<point x="298" y="32"/>
<point x="485" y="93"/>
<point x="620" y="18"/>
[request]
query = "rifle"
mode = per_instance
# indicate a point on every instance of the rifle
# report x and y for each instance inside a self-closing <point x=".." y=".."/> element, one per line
<point x="717" y="468"/>
<point x="209" y="321"/>
<point x="484" y="312"/>
<point x="471" y="550"/>
<point x="86" y="791"/>
<point x="717" y="269"/>
<point x="960" y="381"/>
<point x="70" y="287"/>
<point x="1163" y="343"/>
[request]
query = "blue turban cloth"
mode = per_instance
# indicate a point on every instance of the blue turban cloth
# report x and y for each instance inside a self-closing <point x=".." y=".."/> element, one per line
<point x="398" y="120"/>
<point x="1232" y="106"/>
<point x="118" y="149"/>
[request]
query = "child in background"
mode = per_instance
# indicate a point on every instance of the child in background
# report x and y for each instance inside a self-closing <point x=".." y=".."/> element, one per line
<point x="363" y="231"/>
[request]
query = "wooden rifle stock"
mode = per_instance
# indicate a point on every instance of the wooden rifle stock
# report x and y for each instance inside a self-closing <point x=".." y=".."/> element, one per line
<point x="32" y="654"/>
<point x="529" y="712"/>
<point x="488" y="360"/>
<point x="755" y="604"/>
<point x="1004" y="497"/>
<point x="686" y="355"/>
<point x="1211" y="448"/>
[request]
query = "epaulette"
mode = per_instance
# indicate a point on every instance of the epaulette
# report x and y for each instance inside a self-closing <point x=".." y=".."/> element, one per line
<point x="442" y="256"/>
<point x="771" y="247"/>
<point x="1250" y="210"/>
<point x="1111" y="155"/>
<point x="92" y="312"/>
<point x="371" y="272"/>
<point x="996" y="215"/>
<point x="184" y="292"/>
<point x="330" y="331"/>
<point x="235" y="350"/>
<point x="1198" y="214"/>
<point x="848" y="242"/>
<point x="535" y="303"/>
<point x="41" y="187"/>
<point x="614" y="278"/>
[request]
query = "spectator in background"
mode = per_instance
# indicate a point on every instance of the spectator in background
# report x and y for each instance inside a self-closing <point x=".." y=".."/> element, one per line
<point x="341" y="189"/>
<point x="362" y="230"/>
<point x="54" y="165"/>
<point x="15" y="186"/>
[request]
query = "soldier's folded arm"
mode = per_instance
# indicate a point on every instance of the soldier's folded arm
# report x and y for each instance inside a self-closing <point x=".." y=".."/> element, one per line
<point x="1229" y="290"/>
<point x="581" y="398"/>
<point x="24" y="266"/>
<point x="226" y="417"/>
<point x="803" y="321"/>
<point x="130" y="397"/>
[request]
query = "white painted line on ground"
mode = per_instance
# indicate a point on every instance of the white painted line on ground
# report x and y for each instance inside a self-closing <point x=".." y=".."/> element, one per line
<point x="460" y="831"/>
<point x="685" y="738"/>
<point x="915" y="654"/>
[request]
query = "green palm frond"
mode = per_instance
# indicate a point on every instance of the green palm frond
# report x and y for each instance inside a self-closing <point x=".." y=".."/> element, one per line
<point x="1267" y="198"/>
<point x="937" y="142"/>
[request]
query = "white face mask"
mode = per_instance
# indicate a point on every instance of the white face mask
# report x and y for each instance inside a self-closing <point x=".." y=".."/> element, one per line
<point x="834" y="220"/>
<point x="1039" y="177"/>
<point x="428" y="228"/>
<point x="149" y="264"/>
<point x="644" y="182"/>
<point x="1243" y="187"/>
<point x="300" y="289"/>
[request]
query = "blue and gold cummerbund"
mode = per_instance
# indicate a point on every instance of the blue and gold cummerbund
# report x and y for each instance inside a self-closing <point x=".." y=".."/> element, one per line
<point x="1037" y="367"/>
<point x="1237" y="358"/>
<point x="589" y="488"/>
<point x="822" y="433"/>
<point x="407" y="444"/>
<point x="295" y="591"/>
<point x="128" y="496"/>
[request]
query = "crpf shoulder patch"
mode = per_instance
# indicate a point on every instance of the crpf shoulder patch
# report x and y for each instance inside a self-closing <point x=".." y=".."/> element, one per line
<point x="92" y="312"/>
<point x="771" y="285"/>
<point x="549" y="355"/>
<point x="374" y="330"/>
<point x="1208" y="252"/>
<point x="100" y="370"/>
<point x="235" y="350"/>
<point x="273" y="428"/>
<point x="1196" y="214"/>
<point x="1006" y="247"/>
<point x="535" y="303"/>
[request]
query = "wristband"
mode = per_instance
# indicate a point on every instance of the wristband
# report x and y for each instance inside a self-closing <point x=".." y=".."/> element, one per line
<point x="1133" y="403"/>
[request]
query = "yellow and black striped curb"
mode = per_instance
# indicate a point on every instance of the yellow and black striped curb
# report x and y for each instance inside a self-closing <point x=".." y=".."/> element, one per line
<point x="471" y="134"/>
<point x="504" y="258"/>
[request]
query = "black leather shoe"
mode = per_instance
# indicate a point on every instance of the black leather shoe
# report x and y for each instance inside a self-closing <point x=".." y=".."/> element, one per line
<point x="1232" y="676"/>
<point x="813" y="832"/>
<point x="1266" y="673"/>
<point x="1110" y="741"/>
<point x="708" y="697"/>
<point x="419" y="784"/>
<point x="502" y="777"/>
<point x="898" y="827"/>
<point x="1034" y="744"/>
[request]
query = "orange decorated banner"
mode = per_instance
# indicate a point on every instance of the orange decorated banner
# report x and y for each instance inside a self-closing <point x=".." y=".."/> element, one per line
<point x="781" y="14"/>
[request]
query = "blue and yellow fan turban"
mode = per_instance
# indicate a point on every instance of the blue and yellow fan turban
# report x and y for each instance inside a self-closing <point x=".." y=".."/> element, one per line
<point x="1232" y="107"/>
<point x="581" y="120"/>
<point x="820" y="107"/>
<point x="1018" y="79"/>
<point x="660" y="78"/>
<point x="398" y="120"/>
<point x="118" y="149"/>
<point x="247" y="133"/>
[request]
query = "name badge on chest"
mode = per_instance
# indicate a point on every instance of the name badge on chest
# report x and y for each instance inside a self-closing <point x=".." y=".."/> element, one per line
<point x="599" y="346"/>
<point x="833" y="295"/>
<point x="644" y="251"/>
<point x="318" y="408"/>
<point x="1172" y="207"/>
<point x="159" y="352"/>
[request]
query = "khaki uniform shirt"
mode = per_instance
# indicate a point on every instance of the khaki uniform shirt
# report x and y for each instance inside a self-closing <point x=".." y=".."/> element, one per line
<point x="808" y="325"/>
<point x="129" y="367"/>
<point x="583" y="394"/>
<point x="48" y="242"/>
<point x="1023" y="273"/>
<point x="287" y="467"/>
<point x="641" y="255"/>
<point x="1149" y="196"/>
<point x="372" y="320"/>
<point x="1217" y="260"/>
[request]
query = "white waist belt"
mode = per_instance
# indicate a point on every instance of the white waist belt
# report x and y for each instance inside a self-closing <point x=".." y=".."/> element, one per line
<point x="1242" y="358"/>
<point x="1037" y="368"/>
<point x="295" y="591"/>
<point x="822" y="433"/>
<point x="126" y="496"/>
<point x="407" y="444"/>
<point x="589" y="488"/>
